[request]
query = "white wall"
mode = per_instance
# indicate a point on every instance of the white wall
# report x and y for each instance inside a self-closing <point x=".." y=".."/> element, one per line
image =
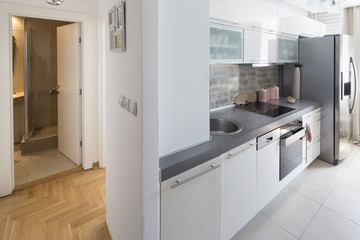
<point x="83" y="6"/>
<point x="124" y="132"/>
<point x="334" y="22"/>
<point x="183" y="74"/>
<point x="89" y="32"/>
<point x="151" y="186"/>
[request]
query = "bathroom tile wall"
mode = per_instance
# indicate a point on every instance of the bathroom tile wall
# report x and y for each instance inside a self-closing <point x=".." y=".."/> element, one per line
<point x="18" y="70"/>
<point x="43" y="74"/>
<point x="227" y="81"/>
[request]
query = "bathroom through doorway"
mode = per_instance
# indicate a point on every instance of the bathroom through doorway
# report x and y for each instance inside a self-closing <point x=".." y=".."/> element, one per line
<point x="46" y="97"/>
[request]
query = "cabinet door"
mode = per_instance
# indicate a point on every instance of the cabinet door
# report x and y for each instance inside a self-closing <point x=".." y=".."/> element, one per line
<point x="267" y="173"/>
<point x="261" y="15"/>
<point x="287" y="49"/>
<point x="259" y="47"/>
<point x="226" y="44"/>
<point x="228" y="10"/>
<point x="191" y="204"/>
<point x="238" y="204"/>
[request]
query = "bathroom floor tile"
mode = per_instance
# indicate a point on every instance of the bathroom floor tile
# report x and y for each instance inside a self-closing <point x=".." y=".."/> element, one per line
<point x="331" y="226"/>
<point x="345" y="201"/>
<point x="292" y="211"/>
<point x="41" y="164"/>
<point x="20" y="179"/>
<point x="262" y="228"/>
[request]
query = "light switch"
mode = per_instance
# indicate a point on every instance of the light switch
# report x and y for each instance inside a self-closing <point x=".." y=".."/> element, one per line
<point x="133" y="107"/>
<point x="126" y="103"/>
<point x="121" y="100"/>
<point x="134" y="111"/>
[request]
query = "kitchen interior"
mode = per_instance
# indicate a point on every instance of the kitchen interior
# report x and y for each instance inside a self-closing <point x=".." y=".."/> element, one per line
<point x="35" y="100"/>
<point x="283" y="120"/>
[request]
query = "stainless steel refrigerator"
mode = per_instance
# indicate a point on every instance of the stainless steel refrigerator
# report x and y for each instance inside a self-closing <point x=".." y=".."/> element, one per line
<point x="328" y="75"/>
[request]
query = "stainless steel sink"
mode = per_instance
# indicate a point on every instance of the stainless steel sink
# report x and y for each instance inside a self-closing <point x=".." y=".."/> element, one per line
<point x="223" y="126"/>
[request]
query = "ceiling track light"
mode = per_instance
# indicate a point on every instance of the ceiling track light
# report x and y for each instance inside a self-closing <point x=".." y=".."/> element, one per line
<point x="54" y="2"/>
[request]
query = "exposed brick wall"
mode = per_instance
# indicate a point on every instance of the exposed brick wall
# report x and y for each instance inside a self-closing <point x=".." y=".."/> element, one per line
<point x="227" y="81"/>
<point x="334" y="21"/>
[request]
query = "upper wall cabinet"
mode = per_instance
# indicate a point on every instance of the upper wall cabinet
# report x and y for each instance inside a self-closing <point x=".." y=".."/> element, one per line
<point x="260" y="47"/>
<point x="260" y="15"/>
<point x="288" y="49"/>
<point x="264" y="16"/>
<point x="301" y="26"/>
<point x="228" y="10"/>
<point x="226" y="44"/>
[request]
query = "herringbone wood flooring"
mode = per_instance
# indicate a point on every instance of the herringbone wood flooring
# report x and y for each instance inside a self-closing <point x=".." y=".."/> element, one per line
<point x="71" y="206"/>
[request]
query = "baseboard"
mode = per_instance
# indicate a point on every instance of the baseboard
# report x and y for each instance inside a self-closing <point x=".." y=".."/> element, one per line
<point x="108" y="231"/>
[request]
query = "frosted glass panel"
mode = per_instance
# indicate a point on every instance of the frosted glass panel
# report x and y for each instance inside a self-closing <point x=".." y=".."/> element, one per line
<point x="287" y="49"/>
<point x="226" y="44"/>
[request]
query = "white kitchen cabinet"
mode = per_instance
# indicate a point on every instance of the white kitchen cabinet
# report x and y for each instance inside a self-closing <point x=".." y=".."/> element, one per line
<point x="238" y="204"/>
<point x="301" y="26"/>
<point x="226" y="44"/>
<point x="313" y="121"/>
<point x="261" y="15"/>
<point x="260" y="47"/>
<point x="191" y="204"/>
<point x="228" y="10"/>
<point x="288" y="49"/>
<point x="267" y="173"/>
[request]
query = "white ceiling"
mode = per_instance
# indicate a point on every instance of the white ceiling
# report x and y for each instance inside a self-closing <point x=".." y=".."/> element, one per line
<point x="322" y="5"/>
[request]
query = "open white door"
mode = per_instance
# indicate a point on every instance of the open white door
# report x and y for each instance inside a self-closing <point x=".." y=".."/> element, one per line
<point x="69" y="98"/>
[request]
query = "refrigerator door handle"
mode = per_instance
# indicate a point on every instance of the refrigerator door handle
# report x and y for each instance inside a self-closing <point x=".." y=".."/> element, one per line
<point x="342" y="86"/>
<point x="355" y="81"/>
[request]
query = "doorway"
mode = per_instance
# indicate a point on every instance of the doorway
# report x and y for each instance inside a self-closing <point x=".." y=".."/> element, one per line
<point x="46" y="97"/>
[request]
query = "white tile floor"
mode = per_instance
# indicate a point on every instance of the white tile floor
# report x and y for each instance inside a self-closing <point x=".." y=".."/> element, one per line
<point x="40" y="164"/>
<point x="323" y="202"/>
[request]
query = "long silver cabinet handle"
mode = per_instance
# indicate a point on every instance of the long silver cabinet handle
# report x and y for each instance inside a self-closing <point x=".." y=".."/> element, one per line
<point x="241" y="151"/>
<point x="178" y="183"/>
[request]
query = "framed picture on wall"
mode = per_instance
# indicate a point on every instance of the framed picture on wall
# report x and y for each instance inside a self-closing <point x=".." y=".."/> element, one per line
<point x="117" y="27"/>
<point x="112" y="19"/>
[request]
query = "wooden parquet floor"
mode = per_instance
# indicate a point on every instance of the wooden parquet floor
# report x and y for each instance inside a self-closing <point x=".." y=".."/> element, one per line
<point x="69" y="206"/>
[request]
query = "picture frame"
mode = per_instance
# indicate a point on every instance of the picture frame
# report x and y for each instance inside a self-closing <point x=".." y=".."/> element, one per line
<point x="117" y="27"/>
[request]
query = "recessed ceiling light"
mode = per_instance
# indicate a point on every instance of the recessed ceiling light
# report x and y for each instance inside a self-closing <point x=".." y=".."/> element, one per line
<point x="54" y="2"/>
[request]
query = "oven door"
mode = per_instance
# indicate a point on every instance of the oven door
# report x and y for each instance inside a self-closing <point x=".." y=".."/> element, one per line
<point x="291" y="151"/>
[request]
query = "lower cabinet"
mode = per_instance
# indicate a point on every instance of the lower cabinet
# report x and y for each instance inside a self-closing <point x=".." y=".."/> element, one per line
<point x="267" y="174"/>
<point x="191" y="204"/>
<point x="238" y="204"/>
<point x="313" y="122"/>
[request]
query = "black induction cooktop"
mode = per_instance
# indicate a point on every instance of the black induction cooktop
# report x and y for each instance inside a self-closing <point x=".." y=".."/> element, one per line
<point x="264" y="108"/>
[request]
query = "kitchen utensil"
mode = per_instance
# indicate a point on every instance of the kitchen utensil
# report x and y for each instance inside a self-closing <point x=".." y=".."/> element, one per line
<point x="244" y="98"/>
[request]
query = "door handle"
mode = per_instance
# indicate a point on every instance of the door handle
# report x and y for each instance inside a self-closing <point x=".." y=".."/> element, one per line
<point x="241" y="151"/>
<point x="342" y="86"/>
<point x="55" y="91"/>
<point x="269" y="139"/>
<point x="178" y="183"/>
<point x="355" y="81"/>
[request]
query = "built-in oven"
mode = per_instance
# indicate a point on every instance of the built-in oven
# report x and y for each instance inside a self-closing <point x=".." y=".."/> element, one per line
<point x="291" y="147"/>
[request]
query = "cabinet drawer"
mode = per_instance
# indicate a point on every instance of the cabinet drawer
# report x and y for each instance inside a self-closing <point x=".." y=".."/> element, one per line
<point x="315" y="129"/>
<point x="313" y="151"/>
<point x="312" y="116"/>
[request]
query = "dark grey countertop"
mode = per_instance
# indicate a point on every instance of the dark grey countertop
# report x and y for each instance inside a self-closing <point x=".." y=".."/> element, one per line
<point x="253" y="125"/>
